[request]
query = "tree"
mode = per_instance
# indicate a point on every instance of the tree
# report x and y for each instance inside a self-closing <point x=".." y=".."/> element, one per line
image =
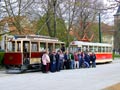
<point x="14" y="10"/>
<point x="79" y="13"/>
<point x="72" y="12"/>
<point x="60" y="30"/>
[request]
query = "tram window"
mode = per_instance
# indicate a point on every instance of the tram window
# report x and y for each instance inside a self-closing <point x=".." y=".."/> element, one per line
<point x="99" y="49"/>
<point x="34" y="47"/>
<point x="96" y="49"/>
<point x="90" y="48"/>
<point x="42" y="46"/>
<point x="103" y="49"/>
<point x="50" y="47"/>
<point x="13" y="46"/>
<point x="18" y="46"/>
<point x="107" y="49"/>
<point x="57" y="47"/>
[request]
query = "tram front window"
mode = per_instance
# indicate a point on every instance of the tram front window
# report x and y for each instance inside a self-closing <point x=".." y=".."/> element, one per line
<point x="10" y="46"/>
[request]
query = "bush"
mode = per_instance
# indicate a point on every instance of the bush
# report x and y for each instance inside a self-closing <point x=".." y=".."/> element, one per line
<point x="116" y="55"/>
<point x="1" y="57"/>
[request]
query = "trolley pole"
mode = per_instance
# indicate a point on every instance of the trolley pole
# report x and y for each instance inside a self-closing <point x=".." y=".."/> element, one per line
<point x="100" y="40"/>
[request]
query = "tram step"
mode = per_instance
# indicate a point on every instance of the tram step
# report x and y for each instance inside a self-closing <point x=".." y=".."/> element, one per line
<point x="13" y="71"/>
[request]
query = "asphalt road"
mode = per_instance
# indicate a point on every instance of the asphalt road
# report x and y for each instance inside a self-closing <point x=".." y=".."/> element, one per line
<point x="78" y="79"/>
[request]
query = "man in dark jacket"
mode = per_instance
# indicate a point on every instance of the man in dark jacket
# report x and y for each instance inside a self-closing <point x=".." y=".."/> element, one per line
<point x="67" y="60"/>
<point x="58" y="60"/>
<point x="63" y="48"/>
<point x="87" y="58"/>
<point x="53" y="61"/>
<point x="93" y="59"/>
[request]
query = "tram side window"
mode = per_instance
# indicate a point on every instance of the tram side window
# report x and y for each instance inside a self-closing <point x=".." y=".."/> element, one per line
<point x="91" y="49"/>
<point x="13" y="46"/>
<point x="107" y="49"/>
<point x="99" y="49"/>
<point x="103" y="49"/>
<point x="34" y="47"/>
<point x="50" y="47"/>
<point x="96" y="49"/>
<point x="42" y="46"/>
<point x="18" y="46"/>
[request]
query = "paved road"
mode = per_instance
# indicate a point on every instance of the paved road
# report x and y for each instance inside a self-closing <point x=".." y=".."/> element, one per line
<point x="77" y="79"/>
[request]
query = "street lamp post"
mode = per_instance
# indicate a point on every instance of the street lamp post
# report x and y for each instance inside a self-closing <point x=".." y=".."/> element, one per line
<point x="100" y="40"/>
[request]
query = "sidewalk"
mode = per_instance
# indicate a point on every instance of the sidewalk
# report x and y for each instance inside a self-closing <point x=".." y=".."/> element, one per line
<point x="113" y="87"/>
<point x="116" y="60"/>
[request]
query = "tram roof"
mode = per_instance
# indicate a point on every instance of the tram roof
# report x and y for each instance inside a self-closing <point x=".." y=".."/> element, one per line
<point x="89" y="43"/>
<point x="33" y="36"/>
<point x="36" y="38"/>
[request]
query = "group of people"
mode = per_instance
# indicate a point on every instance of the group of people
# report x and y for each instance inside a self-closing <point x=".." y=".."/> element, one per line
<point x="60" y="60"/>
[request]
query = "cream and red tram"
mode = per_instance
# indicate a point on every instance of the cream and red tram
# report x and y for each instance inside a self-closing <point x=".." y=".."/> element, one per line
<point x="25" y="51"/>
<point x="103" y="51"/>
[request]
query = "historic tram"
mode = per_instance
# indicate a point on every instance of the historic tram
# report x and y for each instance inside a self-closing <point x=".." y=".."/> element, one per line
<point x="103" y="51"/>
<point x="24" y="52"/>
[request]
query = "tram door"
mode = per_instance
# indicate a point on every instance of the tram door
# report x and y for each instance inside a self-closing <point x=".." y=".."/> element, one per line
<point x="26" y="52"/>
